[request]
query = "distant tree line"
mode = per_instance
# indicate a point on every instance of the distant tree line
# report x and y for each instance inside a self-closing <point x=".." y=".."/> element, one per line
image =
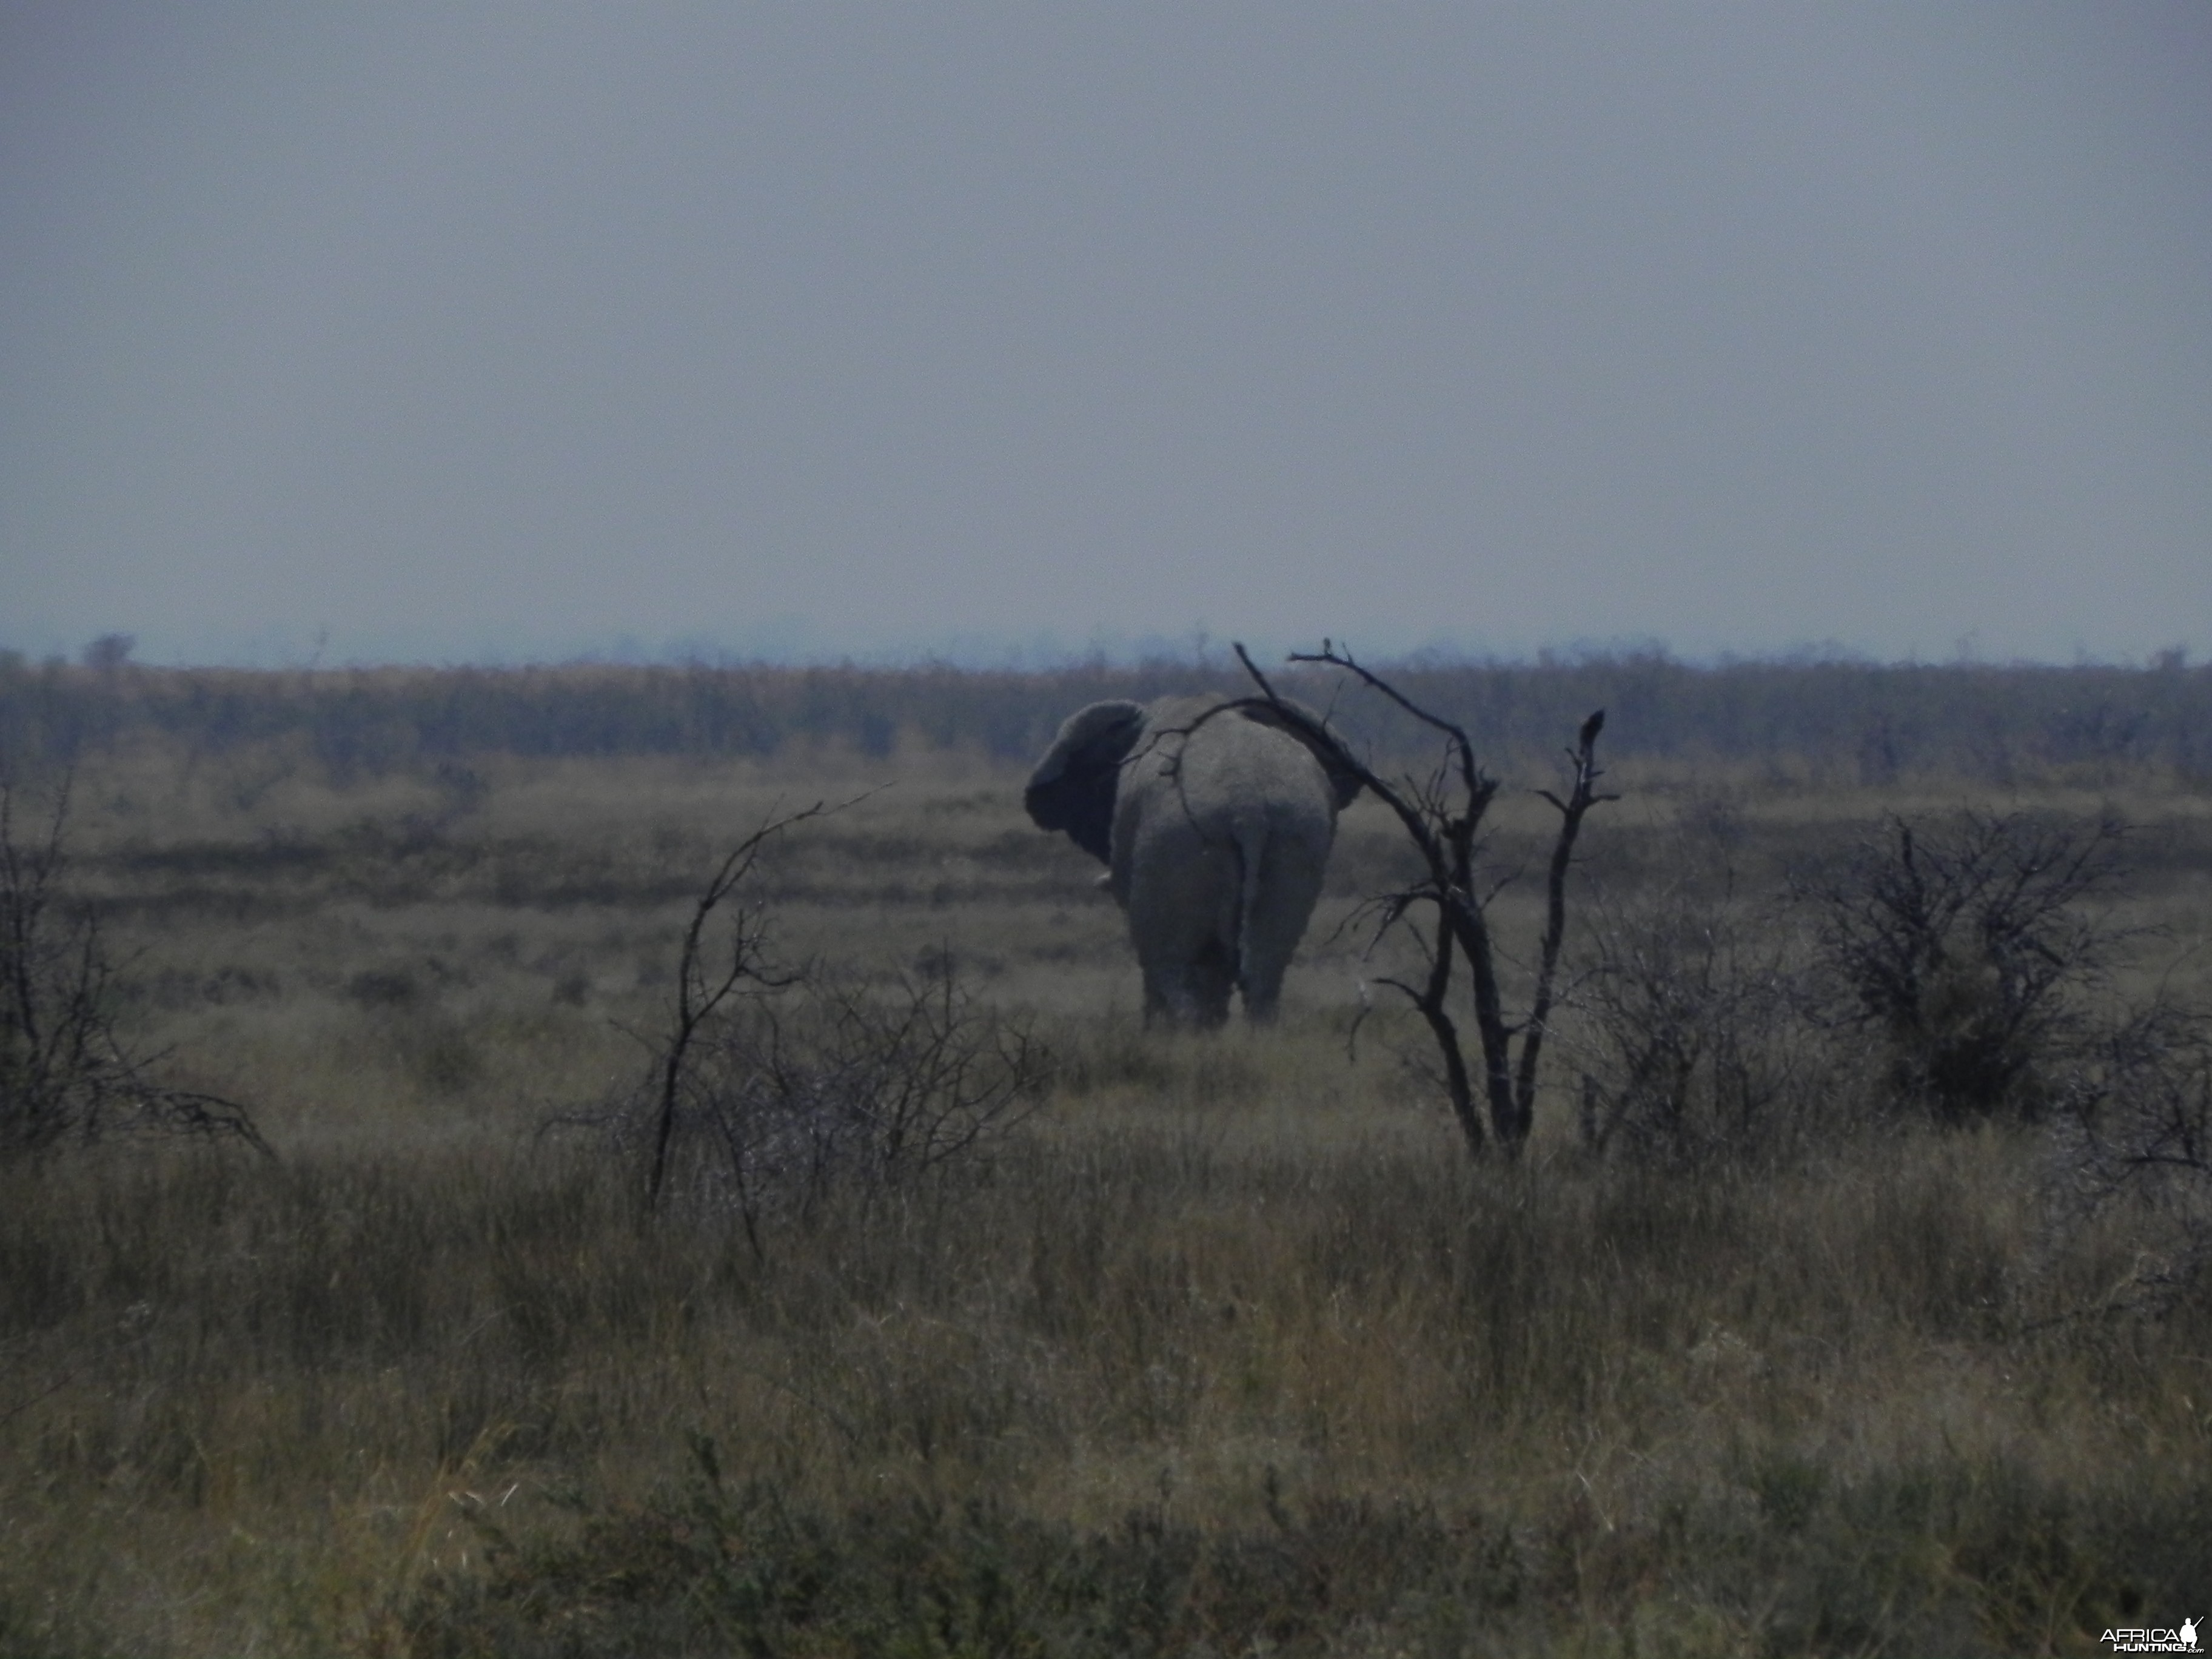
<point x="1836" y="722"/>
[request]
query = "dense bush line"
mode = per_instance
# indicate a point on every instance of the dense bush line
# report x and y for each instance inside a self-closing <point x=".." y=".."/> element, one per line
<point x="1845" y="722"/>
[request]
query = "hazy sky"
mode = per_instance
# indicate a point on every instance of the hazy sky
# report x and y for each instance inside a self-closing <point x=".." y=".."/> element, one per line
<point x="540" y="330"/>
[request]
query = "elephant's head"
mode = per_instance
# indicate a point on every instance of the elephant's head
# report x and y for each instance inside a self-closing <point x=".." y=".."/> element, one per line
<point x="1075" y="785"/>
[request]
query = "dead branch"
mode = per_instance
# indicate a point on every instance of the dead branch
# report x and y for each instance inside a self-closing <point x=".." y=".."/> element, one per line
<point x="1441" y="815"/>
<point x="698" y="995"/>
<point x="1582" y="795"/>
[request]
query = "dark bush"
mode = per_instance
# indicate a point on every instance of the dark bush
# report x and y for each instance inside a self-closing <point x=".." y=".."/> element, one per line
<point x="1965" y="947"/>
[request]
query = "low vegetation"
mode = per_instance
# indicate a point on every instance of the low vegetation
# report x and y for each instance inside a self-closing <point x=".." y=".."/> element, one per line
<point x="1156" y="1344"/>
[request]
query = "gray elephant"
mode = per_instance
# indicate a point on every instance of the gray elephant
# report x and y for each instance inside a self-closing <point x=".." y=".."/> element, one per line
<point x="1214" y="820"/>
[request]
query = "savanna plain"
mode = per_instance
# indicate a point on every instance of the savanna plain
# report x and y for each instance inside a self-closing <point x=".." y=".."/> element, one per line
<point x="1175" y="1343"/>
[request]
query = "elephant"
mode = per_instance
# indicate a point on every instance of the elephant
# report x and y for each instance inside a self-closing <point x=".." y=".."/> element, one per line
<point x="1213" y="817"/>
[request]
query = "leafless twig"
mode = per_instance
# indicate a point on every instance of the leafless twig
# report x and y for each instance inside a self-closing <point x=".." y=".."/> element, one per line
<point x="701" y="991"/>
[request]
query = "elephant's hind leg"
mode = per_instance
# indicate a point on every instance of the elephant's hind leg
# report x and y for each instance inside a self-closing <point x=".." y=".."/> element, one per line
<point x="1282" y="901"/>
<point x="1212" y="977"/>
<point x="1193" y="992"/>
<point x="1183" y="915"/>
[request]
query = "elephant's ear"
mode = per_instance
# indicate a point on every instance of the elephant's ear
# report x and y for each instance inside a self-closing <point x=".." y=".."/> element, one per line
<point x="1075" y="785"/>
<point x="1342" y="780"/>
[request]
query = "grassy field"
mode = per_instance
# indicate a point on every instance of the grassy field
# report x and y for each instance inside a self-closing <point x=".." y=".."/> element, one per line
<point x="1226" y="1347"/>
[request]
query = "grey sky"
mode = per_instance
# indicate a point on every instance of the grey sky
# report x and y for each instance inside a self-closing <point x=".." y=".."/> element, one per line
<point x="536" y="329"/>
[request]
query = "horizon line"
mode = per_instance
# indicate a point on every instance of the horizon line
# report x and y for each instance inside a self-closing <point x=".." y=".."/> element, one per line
<point x="117" y="651"/>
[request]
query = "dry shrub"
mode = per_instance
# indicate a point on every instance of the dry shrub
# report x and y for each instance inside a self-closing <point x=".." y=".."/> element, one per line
<point x="826" y="1081"/>
<point x="2136" y="1135"/>
<point x="777" y="1085"/>
<point x="1965" y="948"/>
<point x="65" y="1075"/>
<point x="1693" y="1044"/>
<point x="1953" y="969"/>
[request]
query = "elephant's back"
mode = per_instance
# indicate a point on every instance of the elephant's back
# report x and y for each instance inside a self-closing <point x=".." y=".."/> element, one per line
<point x="1256" y="768"/>
<point x="1206" y="779"/>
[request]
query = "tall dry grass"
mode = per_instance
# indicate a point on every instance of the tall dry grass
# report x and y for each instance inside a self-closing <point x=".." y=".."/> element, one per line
<point x="273" y="1400"/>
<point x="1230" y="1350"/>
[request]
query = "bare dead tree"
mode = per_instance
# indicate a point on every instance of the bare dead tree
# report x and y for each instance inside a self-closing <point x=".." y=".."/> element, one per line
<point x="1442" y="814"/>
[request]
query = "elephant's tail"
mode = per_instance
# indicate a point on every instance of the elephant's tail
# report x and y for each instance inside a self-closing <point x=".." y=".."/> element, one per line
<point x="1249" y="847"/>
